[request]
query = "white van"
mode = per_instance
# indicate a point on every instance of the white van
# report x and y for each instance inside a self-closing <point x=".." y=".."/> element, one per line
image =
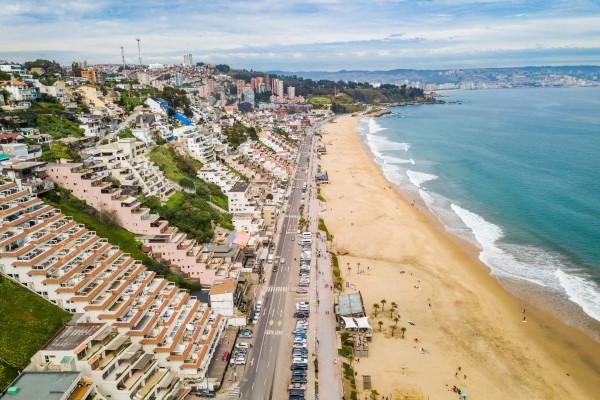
<point x="270" y="259"/>
<point x="306" y="235"/>
<point x="304" y="241"/>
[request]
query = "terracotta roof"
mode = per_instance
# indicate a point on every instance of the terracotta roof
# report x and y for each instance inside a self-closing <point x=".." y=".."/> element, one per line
<point x="221" y="287"/>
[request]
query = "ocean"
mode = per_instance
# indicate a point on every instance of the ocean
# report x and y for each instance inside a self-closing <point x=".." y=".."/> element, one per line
<point x="516" y="172"/>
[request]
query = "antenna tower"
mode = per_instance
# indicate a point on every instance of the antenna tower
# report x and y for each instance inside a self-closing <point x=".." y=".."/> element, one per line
<point x="139" y="51"/>
<point x="123" y="57"/>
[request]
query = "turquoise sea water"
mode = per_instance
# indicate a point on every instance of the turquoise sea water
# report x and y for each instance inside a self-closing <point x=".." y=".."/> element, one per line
<point x="516" y="172"/>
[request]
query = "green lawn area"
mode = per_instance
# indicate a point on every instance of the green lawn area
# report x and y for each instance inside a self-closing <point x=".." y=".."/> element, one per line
<point x="319" y="100"/>
<point x="58" y="126"/>
<point x="27" y="322"/>
<point x="114" y="234"/>
<point x="183" y="170"/>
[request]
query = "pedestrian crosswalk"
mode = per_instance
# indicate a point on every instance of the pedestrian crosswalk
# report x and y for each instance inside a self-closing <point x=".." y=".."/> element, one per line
<point x="277" y="289"/>
<point x="235" y="393"/>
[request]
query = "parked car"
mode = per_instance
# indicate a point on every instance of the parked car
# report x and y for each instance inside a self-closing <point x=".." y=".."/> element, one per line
<point x="301" y="290"/>
<point x="299" y="373"/>
<point x="246" y="333"/>
<point x="240" y="360"/>
<point x="299" y="345"/>
<point x="301" y="314"/>
<point x="226" y="356"/>
<point x="242" y="345"/>
<point x="206" y="393"/>
<point x="295" y="367"/>
<point x="299" y="379"/>
<point x="275" y="268"/>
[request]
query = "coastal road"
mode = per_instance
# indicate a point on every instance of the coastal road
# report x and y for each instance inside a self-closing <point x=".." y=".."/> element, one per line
<point x="266" y="374"/>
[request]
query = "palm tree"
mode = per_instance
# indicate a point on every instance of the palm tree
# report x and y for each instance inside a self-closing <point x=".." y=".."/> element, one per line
<point x="393" y="328"/>
<point x="383" y="301"/>
<point x="396" y="321"/>
<point x="403" y="329"/>
<point x="375" y="307"/>
<point x="348" y="264"/>
<point x="374" y="394"/>
<point x="380" y="323"/>
<point x="357" y="267"/>
<point x="392" y="309"/>
<point x="345" y="337"/>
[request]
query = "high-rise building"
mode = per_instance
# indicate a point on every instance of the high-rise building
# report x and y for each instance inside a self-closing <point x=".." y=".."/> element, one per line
<point x="187" y="60"/>
<point x="291" y="92"/>
<point x="178" y="79"/>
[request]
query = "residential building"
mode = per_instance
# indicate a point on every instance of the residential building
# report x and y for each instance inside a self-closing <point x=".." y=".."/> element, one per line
<point x="154" y="327"/>
<point x="54" y="385"/>
<point x="92" y="184"/>
<point x="19" y="91"/>
<point x="198" y="143"/>
<point x="291" y="92"/>
<point x="30" y="175"/>
<point x="222" y="297"/>
<point x="187" y="60"/>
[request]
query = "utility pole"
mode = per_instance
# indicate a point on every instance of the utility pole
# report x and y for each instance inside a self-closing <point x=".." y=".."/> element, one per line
<point x="139" y="51"/>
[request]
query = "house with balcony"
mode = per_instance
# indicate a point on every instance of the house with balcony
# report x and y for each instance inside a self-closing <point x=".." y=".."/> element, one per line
<point x="135" y="327"/>
<point x="28" y="174"/>
<point x="197" y="143"/>
<point x="219" y="174"/>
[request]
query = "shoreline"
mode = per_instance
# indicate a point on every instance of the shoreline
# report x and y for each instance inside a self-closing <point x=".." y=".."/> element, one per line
<point x="570" y="313"/>
<point x="467" y="282"/>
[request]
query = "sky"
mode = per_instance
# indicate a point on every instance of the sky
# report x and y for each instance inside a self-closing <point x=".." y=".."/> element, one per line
<point x="307" y="35"/>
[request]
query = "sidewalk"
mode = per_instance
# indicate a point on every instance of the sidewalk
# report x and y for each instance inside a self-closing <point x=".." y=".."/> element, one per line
<point x="330" y="382"/>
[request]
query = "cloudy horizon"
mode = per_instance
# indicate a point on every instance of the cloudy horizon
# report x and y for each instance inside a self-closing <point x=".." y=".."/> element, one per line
<point x="325" y="35"/>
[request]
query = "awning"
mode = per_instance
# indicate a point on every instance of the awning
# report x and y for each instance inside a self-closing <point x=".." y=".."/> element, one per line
<point x="349" y="323"/>
<point x="363" y="323"/>
<point x="104" y="334"/>
<point x="142" y="362"/>
<point x="118" y="342"/>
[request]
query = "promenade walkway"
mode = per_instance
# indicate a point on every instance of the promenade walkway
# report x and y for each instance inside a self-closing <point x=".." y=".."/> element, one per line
<point x="329" y="375"/>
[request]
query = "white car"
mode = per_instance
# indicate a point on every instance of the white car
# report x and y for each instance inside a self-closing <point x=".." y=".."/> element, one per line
<point x="242" y="345"/>
<point x="240" y="361"/>
<point x="297" y="345"/>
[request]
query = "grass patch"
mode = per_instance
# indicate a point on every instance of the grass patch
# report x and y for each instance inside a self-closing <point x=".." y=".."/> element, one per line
<point x="28" y="322"/>
<point x="58" y="126"/>
<point x="338" y="282"/>
<point x="323" y="227"/>
<point x="346" y="351"/>
<point x="183" y="170"/>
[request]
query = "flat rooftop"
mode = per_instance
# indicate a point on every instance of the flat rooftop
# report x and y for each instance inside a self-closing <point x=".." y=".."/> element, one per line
<point x="72" y="336"/>
<point x="239" y="186"/>
<point x="350" y="304"/>
<point x="44" y="385"/>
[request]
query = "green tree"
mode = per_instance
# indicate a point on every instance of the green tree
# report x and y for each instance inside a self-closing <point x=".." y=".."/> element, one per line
<point x="393" y="328"/>
<point x="403" y="330"/>
<point x="380" y="323"/>
<point x="375" y="308"/>
<point x="383" y="301"/>
<point x="396" y="321"/>
<point x="374" y="394"/>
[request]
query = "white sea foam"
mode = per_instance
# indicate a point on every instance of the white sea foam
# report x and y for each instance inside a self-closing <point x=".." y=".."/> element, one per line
<point x="582" y="291"/>
<point x="374" y="127"/>
<point x="418" y="178"/>
<point x="381" y="143"/>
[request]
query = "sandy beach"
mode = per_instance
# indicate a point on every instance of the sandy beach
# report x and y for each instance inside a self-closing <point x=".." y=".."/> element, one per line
<point x="470" y="328"/>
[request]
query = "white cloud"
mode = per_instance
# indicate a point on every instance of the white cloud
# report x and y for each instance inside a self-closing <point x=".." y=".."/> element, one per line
<point x="338" y="33"/>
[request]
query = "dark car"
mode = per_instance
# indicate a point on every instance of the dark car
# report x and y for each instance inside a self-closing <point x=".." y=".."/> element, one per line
<point x="301" y="314"/>
<point x="299" y="379"/>
<point x="206" y="393"/>
<point x="296" y="397"/>
<point x="295" y="367"/>
<point x="275" y="268"/>
<point x="300" y="351"/>
<point x="297" y="392"/>
<point x="299" y="373"/>
<point x="246" y="333"/>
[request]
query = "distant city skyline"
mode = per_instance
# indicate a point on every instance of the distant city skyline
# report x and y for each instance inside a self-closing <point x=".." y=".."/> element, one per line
<point x="326" y="35"/>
